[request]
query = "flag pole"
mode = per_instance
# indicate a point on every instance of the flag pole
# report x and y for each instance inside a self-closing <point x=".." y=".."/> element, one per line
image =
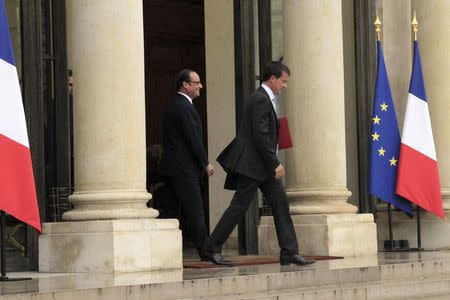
<point x="378" y="25"/>
<point x="3" y="276"/>
<point x="419" y="232"/>
<point x="391" y="236"/>
<point x="2" y="246"/>
<point x="415" y="26"/>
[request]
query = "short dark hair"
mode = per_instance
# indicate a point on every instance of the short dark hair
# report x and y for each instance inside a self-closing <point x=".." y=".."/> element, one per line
<point x="183" y="75"/>
<point x="274" y="68"/>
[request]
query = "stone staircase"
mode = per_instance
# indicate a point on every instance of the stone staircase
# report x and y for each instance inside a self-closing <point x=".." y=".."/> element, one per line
<point x="388" y="277"/>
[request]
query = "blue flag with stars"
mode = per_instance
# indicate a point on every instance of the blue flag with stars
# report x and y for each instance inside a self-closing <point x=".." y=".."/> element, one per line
<point x="384" y="142"/>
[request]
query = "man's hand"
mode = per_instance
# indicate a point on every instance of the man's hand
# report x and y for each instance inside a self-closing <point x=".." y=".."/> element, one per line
<point x="279" y="172"/>
<point x="209" y="170"/>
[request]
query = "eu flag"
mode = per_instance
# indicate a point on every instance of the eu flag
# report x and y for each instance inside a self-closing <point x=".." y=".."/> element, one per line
<point x="384" y="142"/>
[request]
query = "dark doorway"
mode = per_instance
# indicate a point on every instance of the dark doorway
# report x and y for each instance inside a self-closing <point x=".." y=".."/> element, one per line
<point x="174" y="38"/>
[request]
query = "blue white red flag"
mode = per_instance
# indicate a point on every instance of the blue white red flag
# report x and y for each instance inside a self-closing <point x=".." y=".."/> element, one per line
<point x="17" y="189"/>
<point x="418" y="173"/>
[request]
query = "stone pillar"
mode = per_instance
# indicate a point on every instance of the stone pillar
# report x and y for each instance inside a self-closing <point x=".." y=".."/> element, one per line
<point x="110" y="152"/>
<point x="434" y="44"/>
<point x="316" y="166"/>
<point x="316" y="179"/>
<point x="109" y="112"/>
<point x="219" y="55"/>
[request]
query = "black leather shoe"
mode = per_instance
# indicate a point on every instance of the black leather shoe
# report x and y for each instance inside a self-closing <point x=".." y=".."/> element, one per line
<point x="217" y="258"/>
<point x="296" y="260"/>
<point x="202" y="255"/>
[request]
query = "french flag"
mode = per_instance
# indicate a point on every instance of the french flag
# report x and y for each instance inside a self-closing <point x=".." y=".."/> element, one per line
<point x="418" y="173"/>
<point x="17" y="189"/>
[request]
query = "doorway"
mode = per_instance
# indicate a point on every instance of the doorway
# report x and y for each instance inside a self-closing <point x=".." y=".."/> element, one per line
<point x="174" y="38"/>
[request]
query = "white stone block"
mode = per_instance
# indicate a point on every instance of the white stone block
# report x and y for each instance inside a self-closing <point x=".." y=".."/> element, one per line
<point x="434" y="231"/>
<point x="334" y="235"/>
<point x="107" y="246"/>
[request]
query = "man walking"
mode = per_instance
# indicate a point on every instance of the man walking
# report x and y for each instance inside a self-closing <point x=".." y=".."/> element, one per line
<point x="184" y="158"/>
<point x="251" y="162"/>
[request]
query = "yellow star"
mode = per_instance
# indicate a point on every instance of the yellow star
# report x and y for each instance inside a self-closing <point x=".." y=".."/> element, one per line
<point x="384" y="106"/>
<point x="381" y="151"/>
<point x="376" y="120"/>
<point x="393" y="161"/>
<point x="375" y="136"/>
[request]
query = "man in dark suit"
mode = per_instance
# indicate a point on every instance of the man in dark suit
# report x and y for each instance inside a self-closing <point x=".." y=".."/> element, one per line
<point x="251" y="162"/>
<point x="184" y="158"/>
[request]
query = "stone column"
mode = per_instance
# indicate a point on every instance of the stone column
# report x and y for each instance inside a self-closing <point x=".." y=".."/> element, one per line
<point x="219" y="55"/>
<point x="109" y="112"/>
<point x="434" y="42"/>
<point x="110" y="152"/>
<point x="313" y="49"/>
<point x="316" y="166"/>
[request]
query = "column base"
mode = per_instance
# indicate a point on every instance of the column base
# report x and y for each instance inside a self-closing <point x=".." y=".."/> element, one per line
<point x="434" y="230"/>
<point x="110" y="246"/>
<point x="109" y="205"/>
<point x="330" y="235"/>
<point x="320" y="201"/>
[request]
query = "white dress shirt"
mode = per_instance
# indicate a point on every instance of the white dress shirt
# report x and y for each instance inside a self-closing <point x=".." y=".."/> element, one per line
<point x="272" y="97"/>
<point x="273" y="100"/>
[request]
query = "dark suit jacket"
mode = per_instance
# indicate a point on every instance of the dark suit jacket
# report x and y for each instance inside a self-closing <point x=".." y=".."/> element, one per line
<point x="253" y="152"/>
<point x="183" y="151"/>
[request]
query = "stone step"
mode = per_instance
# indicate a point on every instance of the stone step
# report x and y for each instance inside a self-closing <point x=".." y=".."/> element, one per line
<point x="374" y="277"/>
<point x="387" y="277"/>
<point x="435" y="288"/>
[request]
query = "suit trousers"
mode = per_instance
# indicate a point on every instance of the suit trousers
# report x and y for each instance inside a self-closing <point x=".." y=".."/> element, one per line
<point x="189" y="203"/>
<point x="246" y="187"/>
